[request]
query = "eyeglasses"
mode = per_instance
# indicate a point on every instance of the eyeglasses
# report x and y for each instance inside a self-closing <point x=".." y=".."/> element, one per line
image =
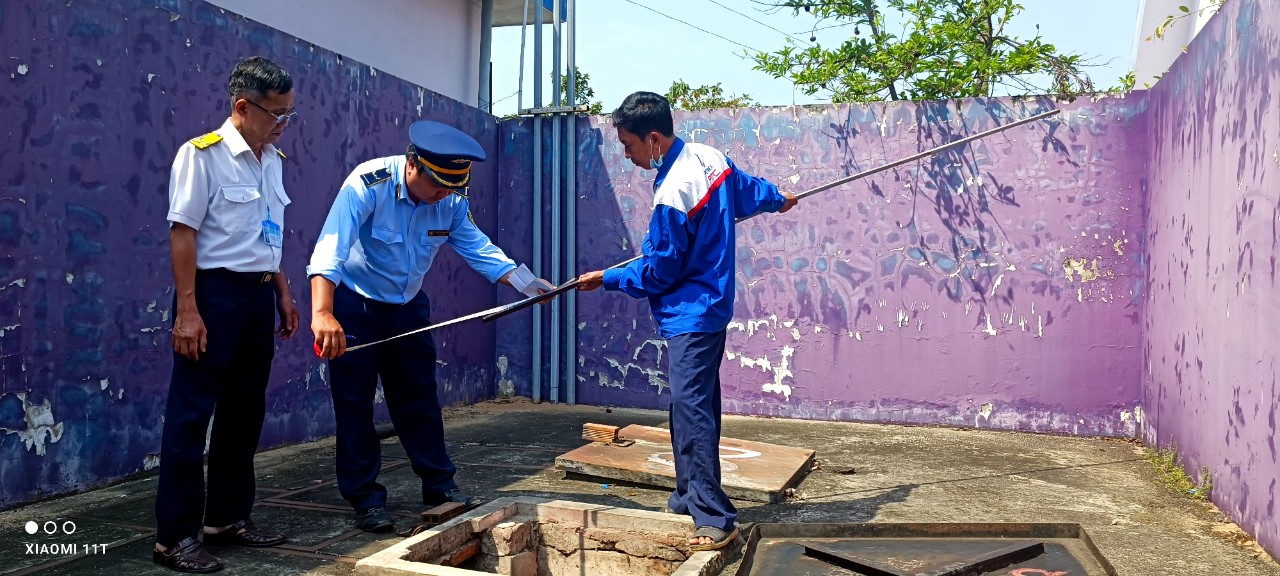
<point x="280" y="118"/>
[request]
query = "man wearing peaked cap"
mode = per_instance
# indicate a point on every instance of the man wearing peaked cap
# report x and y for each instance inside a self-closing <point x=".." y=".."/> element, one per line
<point x="384" y="230"/>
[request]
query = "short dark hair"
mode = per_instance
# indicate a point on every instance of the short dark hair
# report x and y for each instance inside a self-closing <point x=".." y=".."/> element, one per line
<point x="256" y="77"/>
<point x="644" y="112"/>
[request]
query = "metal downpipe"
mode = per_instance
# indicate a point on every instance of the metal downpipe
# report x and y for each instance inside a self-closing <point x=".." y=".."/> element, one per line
<point x="571" y="216"/>
<point x="536" y="352"/>
<point x="556" y="221"/>
<point x="484" y="96"/>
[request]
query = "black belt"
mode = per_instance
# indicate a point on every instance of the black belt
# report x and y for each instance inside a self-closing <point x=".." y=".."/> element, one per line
<point x="251" y="277"/>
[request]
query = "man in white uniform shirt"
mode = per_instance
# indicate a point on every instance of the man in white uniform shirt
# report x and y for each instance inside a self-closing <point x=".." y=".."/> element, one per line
<point x="226" y="215"/>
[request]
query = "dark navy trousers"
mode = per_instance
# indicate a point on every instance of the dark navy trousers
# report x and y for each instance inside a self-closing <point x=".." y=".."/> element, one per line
<point x="695" y="429"/>
<point x="227" y="383"/>
<point x="407" y="369"/>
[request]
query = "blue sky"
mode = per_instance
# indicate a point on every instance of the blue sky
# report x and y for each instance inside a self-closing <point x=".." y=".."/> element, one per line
<point x="625" y="47"/>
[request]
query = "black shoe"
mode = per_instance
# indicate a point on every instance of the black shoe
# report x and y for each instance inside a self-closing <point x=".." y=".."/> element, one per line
<point x="432" y="498"/>
<point x="374" y="519"/>
<point x="187" y="556"/>
<point x="244" y="533"/>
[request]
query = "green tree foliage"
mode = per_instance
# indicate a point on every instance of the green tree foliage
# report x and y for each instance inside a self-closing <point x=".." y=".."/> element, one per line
<point x="934" y="49"/>
<point x="685" y="97"/>
<point x="1183" y="12"/>
<point x="582" y="90"/>
<point x="1127" y="82"/>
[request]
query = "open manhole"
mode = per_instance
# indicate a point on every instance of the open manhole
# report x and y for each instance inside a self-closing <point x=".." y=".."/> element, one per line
<point x="1041" y="549"/>
<point x="539" y="537"/>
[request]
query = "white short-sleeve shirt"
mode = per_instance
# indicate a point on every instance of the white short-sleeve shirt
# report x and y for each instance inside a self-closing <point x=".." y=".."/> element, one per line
<point x="225" y="193"/>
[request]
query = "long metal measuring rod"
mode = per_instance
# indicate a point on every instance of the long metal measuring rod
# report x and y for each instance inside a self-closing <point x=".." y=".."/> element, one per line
<point x="316" y="347"/>
<point x="930" y="152"/>
<point x="505" y="309"/>
<point x="522" y="304"/>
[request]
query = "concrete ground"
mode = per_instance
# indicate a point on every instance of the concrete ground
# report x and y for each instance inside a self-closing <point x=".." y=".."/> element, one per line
<point x="868" y="473"/>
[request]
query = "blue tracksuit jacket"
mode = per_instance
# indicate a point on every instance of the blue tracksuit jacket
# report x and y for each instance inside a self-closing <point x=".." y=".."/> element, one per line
<point x="688" y="265"/>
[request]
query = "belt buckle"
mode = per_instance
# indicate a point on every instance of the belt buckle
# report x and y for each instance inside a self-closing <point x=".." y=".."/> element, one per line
<point x="266" y="277"/>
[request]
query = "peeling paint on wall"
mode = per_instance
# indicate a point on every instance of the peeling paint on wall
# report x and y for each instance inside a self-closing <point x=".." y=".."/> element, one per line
<point x="85" y="283"/>
<point x="990" y="330"/>
<point x="41" y="428"/>
<point x="506" y="388"/>
<point x="782" y="374"/>
<point x="879" y="287"/>
<point x="762" y="363"/>
<point x="1084" y="270"/>
<point x="752" y="326"/>
<point x="655" y="377"/>
<point x="1135" y="416"/>
<point x="658" y="346"/>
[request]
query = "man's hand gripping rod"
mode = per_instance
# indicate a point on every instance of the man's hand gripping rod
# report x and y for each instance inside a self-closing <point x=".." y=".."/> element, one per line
<point x="500" y="311"/>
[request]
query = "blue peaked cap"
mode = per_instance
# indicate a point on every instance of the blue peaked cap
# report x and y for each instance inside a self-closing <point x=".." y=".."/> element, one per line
<point x="445" y="152"/>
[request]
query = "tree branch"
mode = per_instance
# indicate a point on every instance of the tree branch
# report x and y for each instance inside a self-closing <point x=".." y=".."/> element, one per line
<point x="870" y="7"/>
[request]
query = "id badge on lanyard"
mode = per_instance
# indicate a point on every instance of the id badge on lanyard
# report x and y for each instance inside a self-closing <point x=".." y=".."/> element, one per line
<point x="271" y="233"/>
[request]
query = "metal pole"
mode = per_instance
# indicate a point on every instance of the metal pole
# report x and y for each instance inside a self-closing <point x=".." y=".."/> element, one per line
<point x="499" y="311"/>
<point x="484" y="95"/>
<point x="493" y="314"/>
<point x="894" y="164"/>
<point x="571" y="214"/>
<point x="947" y="146"/>
<point x="524" y="25"/>
<point x="536" y="352"/>
<point x="556" y="221"/>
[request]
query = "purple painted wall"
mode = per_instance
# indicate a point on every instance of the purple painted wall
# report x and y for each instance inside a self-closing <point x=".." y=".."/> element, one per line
<point x="100" y="95"/>
<point x="1058" y="277"/>
<point x="1211" y="344"/>
<point x="998" y="285"/>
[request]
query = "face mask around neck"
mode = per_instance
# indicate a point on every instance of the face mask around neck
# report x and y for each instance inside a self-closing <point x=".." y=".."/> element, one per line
<point x="655" y="159"/>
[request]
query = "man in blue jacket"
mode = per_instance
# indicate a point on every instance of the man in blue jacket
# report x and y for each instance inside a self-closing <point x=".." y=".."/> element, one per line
<point x="391" y="218"/>
<point x="687" y="273"/>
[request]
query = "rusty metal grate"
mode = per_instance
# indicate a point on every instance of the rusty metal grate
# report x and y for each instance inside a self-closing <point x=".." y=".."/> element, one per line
<point x="1014" y="549"/>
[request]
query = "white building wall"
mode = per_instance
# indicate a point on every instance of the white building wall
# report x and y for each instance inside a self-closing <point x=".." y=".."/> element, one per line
<point x="1151" y="58"/>
<point x="432" y="43"/>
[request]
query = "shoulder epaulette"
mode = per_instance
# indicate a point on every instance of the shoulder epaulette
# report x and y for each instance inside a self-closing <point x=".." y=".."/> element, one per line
<point x="206" y="141"/>
<point x="375" y="177"/>
<point x="280" y="153"/>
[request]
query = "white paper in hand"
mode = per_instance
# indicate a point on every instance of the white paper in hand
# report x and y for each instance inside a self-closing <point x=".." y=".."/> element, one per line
<point x="538" y="286"/>
<point x="523" y="280"/>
